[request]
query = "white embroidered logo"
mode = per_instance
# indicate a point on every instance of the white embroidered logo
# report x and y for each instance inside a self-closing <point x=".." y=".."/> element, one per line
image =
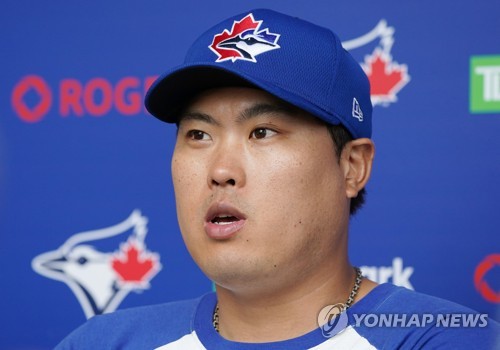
<point x="356" y="110"/>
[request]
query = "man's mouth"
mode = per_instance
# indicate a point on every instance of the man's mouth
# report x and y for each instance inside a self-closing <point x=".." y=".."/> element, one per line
<point x="223" y="221"/>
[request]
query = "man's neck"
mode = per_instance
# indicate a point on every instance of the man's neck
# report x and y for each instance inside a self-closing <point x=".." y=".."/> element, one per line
<point x="274" y="315"/>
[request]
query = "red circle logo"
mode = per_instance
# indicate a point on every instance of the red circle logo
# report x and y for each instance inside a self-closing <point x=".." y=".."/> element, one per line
<point x="481" y="284"/>
<point x="37" y="112"/>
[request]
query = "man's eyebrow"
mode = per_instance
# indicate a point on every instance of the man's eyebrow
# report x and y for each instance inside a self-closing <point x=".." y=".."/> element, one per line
<point x="266" y="108"/>
<point x="249" y="113"/>
<point x="192" y="115"/>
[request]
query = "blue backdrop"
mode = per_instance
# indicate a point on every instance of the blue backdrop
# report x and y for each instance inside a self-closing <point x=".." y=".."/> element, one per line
<point x="87" y="218"/>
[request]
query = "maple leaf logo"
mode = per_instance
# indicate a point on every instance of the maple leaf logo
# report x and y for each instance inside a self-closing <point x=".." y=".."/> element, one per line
<point x="244" y="41"/>
<point x="386" y="77"/>
<point x="134" y="265"/>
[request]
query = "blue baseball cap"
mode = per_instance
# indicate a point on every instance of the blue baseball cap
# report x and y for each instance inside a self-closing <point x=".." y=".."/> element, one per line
<point x="292" y="59"/>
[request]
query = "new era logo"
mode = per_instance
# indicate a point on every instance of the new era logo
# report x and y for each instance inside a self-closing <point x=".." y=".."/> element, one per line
<point x="356" y="110"/>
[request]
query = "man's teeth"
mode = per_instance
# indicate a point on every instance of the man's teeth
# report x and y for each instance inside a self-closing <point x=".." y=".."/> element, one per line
<point x="224" y="219"/>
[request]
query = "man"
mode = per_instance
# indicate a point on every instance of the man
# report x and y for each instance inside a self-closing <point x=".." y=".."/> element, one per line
<point x="272" y="155"/>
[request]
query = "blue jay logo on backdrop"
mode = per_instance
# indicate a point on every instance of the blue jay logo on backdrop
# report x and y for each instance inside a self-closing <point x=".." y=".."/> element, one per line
<point x="103" y="266"/>
<point x="387" y="77"/>
<point x="244" y="42"/>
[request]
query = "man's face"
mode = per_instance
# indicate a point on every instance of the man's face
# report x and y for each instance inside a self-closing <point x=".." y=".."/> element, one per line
<point x="261" y="198"/>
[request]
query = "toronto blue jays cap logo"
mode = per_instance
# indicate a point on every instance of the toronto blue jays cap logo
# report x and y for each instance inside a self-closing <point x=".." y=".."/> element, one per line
<point x="245" y="41"/>
<point x="102" y="266"/>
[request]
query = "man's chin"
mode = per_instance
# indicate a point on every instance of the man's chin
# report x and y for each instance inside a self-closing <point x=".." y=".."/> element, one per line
<point x="245" y="282"/>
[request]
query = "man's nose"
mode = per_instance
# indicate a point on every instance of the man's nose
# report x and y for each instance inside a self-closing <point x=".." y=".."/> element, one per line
<point x="227" y="166"/>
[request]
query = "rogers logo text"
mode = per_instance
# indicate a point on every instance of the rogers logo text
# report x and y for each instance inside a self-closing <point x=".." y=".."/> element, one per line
<point x="33" y="97"/>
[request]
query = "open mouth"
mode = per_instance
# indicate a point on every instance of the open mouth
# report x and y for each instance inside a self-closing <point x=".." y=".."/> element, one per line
<point x="223" y="214"/>
<point x="224" y="219"/>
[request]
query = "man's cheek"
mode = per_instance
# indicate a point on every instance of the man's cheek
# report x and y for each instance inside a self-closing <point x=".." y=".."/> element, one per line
<point x="183" y="175"/>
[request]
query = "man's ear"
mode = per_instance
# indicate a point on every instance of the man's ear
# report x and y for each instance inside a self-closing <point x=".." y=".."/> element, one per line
<point x="356" y="162"/>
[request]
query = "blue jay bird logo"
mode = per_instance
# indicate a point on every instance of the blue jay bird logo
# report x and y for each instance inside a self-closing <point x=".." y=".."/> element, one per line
<point x="102" y="278"/>
<point x="244" y="42"/>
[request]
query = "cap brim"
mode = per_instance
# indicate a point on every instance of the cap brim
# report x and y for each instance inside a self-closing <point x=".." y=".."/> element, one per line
<point x="171" y="91"/>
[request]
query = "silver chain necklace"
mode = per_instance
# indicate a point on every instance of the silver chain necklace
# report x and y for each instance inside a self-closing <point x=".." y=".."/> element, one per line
<point x="348" y="303"/>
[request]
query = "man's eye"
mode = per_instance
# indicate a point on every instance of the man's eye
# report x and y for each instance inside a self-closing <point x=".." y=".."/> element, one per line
<point x="262" y="133"/>
<point x="197" y="135"/>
